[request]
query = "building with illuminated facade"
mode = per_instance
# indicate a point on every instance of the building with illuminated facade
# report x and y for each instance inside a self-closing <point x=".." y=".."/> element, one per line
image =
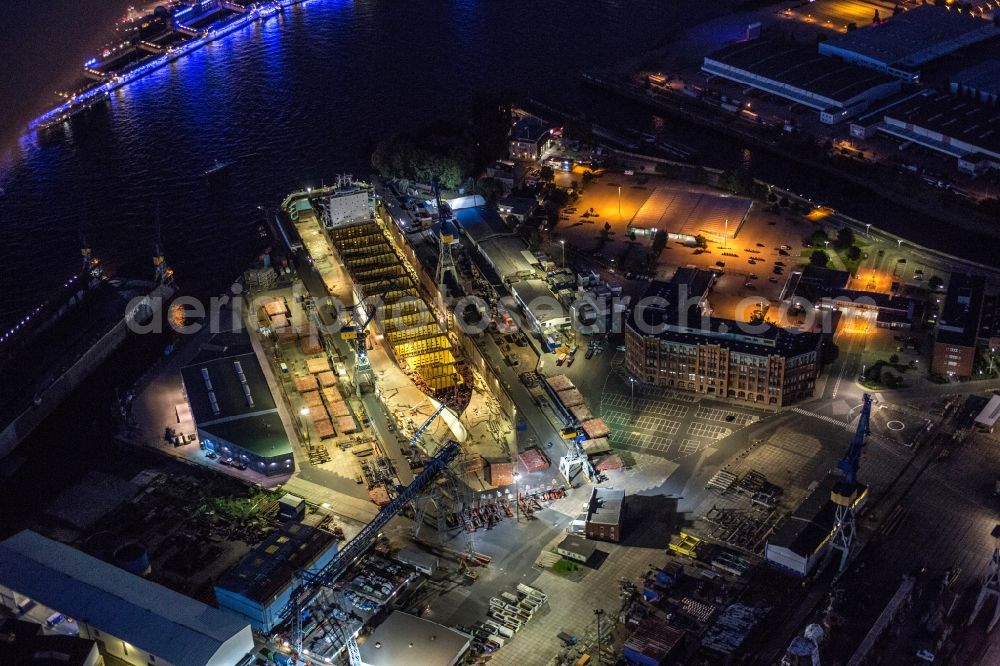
<point x="670" y="341"/>
<point x="958" y="326"/>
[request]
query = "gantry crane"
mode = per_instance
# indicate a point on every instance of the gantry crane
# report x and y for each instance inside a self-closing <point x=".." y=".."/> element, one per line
<point x="362" y="364"/>
<point x="310" y="583"/>
<point x="446" y="262"/>
<point x="446" y="238"/>
<point x="846" y="492"/>
<point x="421" y="509"/>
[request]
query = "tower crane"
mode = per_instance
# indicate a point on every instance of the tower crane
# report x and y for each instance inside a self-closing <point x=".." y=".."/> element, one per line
<point x="846" y="492"/>
<point x="310" y="583"/>
<point x="362" y="364"/>
<point x="446" y="238"/>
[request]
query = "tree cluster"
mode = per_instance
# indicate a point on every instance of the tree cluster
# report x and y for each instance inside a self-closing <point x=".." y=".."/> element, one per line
<point x="421" y="158"/>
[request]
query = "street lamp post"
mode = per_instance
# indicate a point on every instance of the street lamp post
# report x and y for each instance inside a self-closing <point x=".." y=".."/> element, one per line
<point x="599" y="612"/>
<point x="631" y="383"/>
<point x="517" y="497"/>
<point x="619" y="204"/>
<point x="868" y="230"/>
<point x="563" y="243"/>
<point x="899" y="242"/>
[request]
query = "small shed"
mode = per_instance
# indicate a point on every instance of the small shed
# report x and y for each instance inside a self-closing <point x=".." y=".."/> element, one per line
<point x="346" y="425"/>
<point x="595" y="428"/>
<point x="313" y="400"/>
<point x="581" y="413"/>
<point x="324" y="428"/>
<point x="339" y="409"/>
<point x="501" y="473"/>
<point x="592" y="447"/>
<point x="559" y="382"/>
<point x="307" y="383"/>
<point x="576" y="548"/>
<point x="317" y="365"/>
<point x="291" y="507"/>
<point x="533" y="460"/>
<point x="310" y="345"/>
<point x="570" y="397"/>
<point x="276" y="307"/>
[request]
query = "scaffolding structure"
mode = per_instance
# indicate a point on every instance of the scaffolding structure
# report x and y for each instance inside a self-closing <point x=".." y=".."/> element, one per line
<point x="416" y="340"/>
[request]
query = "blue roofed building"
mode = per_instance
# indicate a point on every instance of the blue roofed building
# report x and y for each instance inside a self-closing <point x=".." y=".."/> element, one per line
<point x="259" y="587"/>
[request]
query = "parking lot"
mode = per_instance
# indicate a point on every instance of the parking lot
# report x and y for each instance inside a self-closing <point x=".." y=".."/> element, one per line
<point x="665" y="423"/>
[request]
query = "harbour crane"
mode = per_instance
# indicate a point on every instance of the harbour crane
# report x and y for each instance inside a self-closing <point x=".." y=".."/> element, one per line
<point x="446" y="238"/>
<point x="446" y="262"/>
<point x="419" y="433"/>
<point x="362" y="364"/>
<point x="310" y="583"/>
<point x="846" y="492"/>
<point x="421" y="508"/>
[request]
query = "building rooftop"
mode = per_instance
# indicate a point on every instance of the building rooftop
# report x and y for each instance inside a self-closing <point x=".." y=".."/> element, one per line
<point x="904" y="39"/>
<point x="23" y="644"/>
<point x="271" y="567"/>
<point x="538" y="298"/>
<point x="158" y="620"/>
<point x="481" y="223"/>
<point x="698" y="281"/>
<point x="605" y="506"/>
<point x="230" y="398"/>
<point x="578" y="545"/>
<point x="983" y="77"/>
<point x="507" y="254"/>
<point x="990" y="413"/>
<point x="801" y="67"/>
<point x="529" y="129"/>
<point x="408" y="639"/>
<point x="678" y="317"/>
<point x="824" y="279"/>
<point x="961" y="309"/>
<point x="654" y="639"/>
<point x="520" y="206"/>
<point x="808" y="528"/>
<point x="989" y="321"/>
<point x="692" y="213"/>
<point x="953" y="116"/>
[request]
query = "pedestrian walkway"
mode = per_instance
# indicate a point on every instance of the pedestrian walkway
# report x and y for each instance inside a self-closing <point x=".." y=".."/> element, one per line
<point x="345" y="506"/>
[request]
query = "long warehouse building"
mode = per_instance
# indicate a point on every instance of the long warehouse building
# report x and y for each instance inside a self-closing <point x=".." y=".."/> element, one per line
<point x="900" y="44"/>
<point x="132" y="620"/>
<point x="958" y="126"/>
<point x="838" y="90"/>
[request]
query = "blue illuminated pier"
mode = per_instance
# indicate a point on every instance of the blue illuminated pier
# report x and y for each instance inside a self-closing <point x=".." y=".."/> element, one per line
<point x="98" y="94"/>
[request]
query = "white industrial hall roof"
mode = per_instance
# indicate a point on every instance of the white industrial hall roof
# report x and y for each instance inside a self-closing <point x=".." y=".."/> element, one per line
<point x="147" y="615"/>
